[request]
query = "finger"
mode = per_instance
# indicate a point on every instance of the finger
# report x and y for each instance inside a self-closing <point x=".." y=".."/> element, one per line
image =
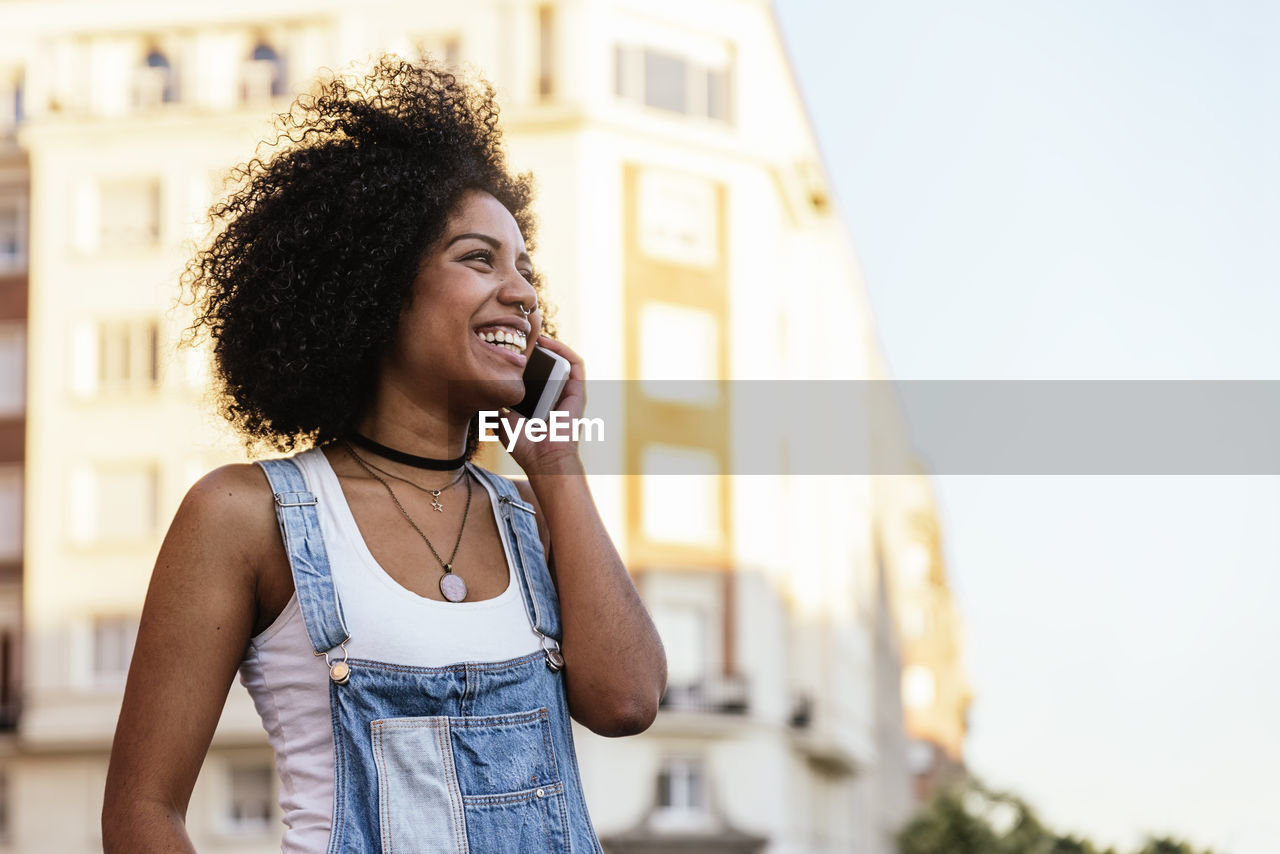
<point x="576" y="368"/>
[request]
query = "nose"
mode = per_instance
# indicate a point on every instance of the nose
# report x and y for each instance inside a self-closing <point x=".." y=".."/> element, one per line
<point x="519" y="291"/>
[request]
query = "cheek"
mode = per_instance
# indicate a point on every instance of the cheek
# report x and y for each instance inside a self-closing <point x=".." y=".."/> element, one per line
<point x="423" y="339"/>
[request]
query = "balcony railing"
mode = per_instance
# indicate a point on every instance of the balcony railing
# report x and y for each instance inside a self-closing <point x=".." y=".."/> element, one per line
<point x="725" y="695"/>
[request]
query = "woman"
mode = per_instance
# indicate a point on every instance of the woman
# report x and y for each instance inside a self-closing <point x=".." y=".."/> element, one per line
<point x="418" y="637"/>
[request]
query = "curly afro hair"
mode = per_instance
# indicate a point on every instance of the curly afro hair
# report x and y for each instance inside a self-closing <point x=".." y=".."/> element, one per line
<point x="303" y="283"/>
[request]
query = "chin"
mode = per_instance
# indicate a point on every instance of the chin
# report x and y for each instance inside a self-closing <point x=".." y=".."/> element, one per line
<point x="477" y="395"/>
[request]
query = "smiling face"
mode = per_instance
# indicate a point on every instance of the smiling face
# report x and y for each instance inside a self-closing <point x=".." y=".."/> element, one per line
<point x="464" y="321"/>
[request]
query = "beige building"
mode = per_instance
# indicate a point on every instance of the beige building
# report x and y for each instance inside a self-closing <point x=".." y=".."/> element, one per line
<point x="929" y="628"/>
<point x="687" y="234"/>
<point x="936" y="693"/>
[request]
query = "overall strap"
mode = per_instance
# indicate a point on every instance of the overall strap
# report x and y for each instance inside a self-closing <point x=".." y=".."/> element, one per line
<point x="308" y="560"/>
<point x="531" y="564"/>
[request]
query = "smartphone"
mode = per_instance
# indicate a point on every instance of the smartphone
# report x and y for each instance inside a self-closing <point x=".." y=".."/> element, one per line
<point x="544" y="377"/>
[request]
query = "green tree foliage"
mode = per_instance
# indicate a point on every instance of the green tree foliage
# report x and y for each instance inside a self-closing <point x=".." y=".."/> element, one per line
<point x="1075" y="845"/>
<point x="1168" y="846"/>
<point x="968" y="818"/>
<point x="945" y="826"/>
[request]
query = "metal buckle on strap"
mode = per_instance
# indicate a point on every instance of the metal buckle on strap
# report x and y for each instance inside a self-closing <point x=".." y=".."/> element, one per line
<point x="339" y="671"/>
<point x="555" y="659"/>
<point x="528" y="508"/>
<point x="282" y="499"/>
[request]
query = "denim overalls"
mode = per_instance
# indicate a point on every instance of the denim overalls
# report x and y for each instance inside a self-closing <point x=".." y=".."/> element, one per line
<point x="473" y="758"/>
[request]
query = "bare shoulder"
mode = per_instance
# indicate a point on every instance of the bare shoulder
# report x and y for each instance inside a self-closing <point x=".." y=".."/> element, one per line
<point x="230" y="507"/>
<point x="225" y="531"/>
<point x="215" y="547"/>
<point x="227" y="486"/>
<point x="227" y="524"/>
<point x="526" y="492"/>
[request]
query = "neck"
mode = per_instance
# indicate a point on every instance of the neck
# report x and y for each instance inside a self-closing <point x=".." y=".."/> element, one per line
<point x="412" y="450"/>
<point x="405" y="458"/>
<point x="394" y="421"/>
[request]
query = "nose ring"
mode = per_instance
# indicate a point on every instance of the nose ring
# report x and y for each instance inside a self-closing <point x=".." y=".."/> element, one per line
<point x="528" y="311"/>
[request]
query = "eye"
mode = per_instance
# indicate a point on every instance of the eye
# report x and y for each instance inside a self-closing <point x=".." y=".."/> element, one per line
<point x="483" y="255"/>
<point x="528" y="275"/>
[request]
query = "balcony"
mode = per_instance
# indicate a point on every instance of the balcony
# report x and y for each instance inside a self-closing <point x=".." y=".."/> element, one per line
<point x="715" y="695"/>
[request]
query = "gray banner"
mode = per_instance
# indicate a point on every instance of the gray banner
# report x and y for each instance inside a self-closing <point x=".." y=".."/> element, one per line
<point x="946" y="427"/>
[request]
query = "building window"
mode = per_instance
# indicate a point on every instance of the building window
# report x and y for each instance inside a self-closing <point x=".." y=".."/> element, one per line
<point x="10" y="513"/>
<point x="13" y="233"/>
<point x="679" y="218"/>
<point x="263" y="74"/>
<point x="680" y="492"/>
<point x="116" y="216"/>
<point x="919" y="687"/>
<point x="115" y="356"/>
<point x="128" y="354"/>
<point x="446" y="48"/>
<point x="128" y="215"/>
<point x="113" y="504"/>
<point x="13" y="369"/>
<point x="673" y="83"/>
<point x="686" y="374"/>
<point x="250" y="800"/>
<point x="681" y="801"/>
<point x="113" y="639"/>
<point x="684" y="632"/>
<point x="664" y="81"/>
<point x="154" y="82"/>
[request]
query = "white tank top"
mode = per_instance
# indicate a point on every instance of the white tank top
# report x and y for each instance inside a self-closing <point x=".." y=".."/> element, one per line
<point x="290" y="686"/>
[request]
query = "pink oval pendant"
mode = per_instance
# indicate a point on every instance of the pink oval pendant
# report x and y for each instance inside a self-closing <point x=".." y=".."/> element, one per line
<point x="453" y="587"/>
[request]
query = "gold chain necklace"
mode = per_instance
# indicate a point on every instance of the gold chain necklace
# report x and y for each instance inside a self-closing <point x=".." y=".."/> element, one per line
<point x="452" y="587"/>
<point x="434" y="493"/>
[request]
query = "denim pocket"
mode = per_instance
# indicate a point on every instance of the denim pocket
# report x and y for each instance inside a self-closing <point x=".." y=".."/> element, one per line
<point x="534" y="821"/>
<point x="419" y="802"/>
<point x="450" y="785"/>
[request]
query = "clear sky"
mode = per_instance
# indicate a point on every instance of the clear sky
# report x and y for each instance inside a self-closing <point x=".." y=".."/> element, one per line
<point x="1083" y="190"/>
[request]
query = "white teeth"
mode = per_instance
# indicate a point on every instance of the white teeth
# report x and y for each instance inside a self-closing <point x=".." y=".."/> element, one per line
<point x="509" y="339"/>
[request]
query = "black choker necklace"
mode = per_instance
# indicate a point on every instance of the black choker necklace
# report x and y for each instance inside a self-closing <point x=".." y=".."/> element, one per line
<point x="408" y="459"/>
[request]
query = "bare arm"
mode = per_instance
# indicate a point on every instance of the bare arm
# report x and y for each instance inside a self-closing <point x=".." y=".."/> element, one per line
<point x="615" y="667"/>
<point x="198" y="617"/>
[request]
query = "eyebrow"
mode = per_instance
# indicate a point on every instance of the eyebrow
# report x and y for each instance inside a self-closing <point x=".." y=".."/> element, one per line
<point x="492" y="241"/>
